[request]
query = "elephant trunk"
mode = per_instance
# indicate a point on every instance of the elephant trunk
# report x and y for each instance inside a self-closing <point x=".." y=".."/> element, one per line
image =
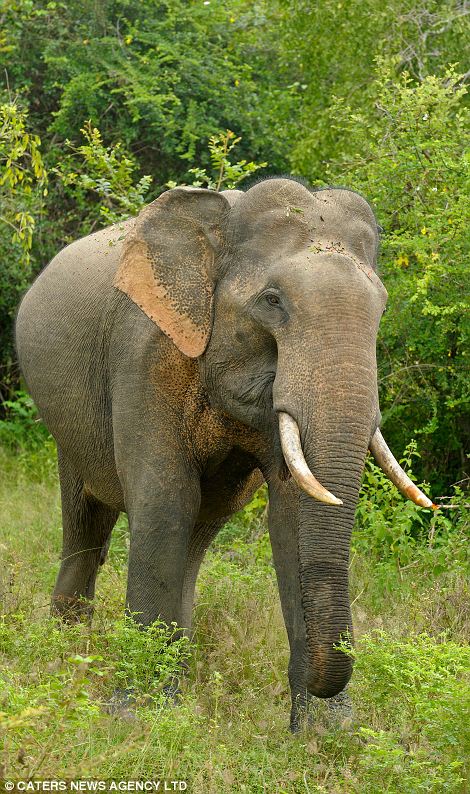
<point x="335" y="428"/>
<point x="323" y="553"/>
<point x="323" y="539"/>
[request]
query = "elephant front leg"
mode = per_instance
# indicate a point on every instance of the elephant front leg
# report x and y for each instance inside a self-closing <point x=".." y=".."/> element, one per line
<point x="161" y="521"/>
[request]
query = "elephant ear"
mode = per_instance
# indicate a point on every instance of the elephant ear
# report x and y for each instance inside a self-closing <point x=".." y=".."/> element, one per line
<point x="167" y="264"/>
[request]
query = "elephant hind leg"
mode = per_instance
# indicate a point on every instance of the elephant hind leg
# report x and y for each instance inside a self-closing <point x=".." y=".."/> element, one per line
<point x="87" y="526"/>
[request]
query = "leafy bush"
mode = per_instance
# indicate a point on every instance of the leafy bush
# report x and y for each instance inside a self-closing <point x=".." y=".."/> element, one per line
<point x="23" y="180"/>
<point x="410" y="159"/>
<point x="391" y="529"/>
<point x="158" y="76"/>
<point x="334" y="61"/>
<point x="146" y="661"/>
<point x="419" y="688"/>
<point x="63" y="689"/>
<point x="22" y="432"/>
<point x="226" y="175"/>
<point x="93" y="170"/>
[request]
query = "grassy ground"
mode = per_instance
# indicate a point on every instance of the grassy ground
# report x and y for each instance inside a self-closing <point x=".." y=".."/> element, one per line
<point x="410" y="732"/>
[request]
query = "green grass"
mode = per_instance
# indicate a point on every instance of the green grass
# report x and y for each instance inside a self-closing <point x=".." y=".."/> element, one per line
<point x="229" y="734"/>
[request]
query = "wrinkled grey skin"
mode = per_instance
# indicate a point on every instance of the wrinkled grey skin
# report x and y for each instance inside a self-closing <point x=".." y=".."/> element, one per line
<point x="181" y="440"/>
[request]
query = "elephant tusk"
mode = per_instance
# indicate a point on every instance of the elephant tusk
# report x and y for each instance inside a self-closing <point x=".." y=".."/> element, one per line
<point x="389" y="464"/>
<point x="294" y="457"/>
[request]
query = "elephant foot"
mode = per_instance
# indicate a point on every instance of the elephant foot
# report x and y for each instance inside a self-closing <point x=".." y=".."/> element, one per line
<point x="122" y="704"/>
<point x="341" y="710"/>
<point x="295" y="724"/>
<point x="305" y="711"/>
<point x="171" y="694"/>
<point x="72" y="609"/>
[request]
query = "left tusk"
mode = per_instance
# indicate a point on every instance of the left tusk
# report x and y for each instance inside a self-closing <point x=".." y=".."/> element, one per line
<point x="298" y="467"/>
<point x="389" y="464"/>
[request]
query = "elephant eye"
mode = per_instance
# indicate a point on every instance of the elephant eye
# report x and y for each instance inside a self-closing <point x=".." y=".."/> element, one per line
<point x="268" y="308"/>
<point x="272" y="299"/>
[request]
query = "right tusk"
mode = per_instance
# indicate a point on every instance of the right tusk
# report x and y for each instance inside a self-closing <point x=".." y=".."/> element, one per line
<point x="389" y="464"/>
<point x="294" y="457"/>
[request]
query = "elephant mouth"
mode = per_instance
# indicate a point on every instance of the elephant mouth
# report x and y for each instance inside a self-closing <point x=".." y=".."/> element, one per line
<point x="284" y="473"/>
<point x="297" y="466"/>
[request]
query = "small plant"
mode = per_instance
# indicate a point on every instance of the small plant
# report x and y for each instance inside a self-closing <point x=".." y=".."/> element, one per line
<point x="392" y="530"/>
<point x="23" y="433"/>
<point x="105" y="171"/>
<point x="22" y="429"/>
<point x="225" y="174"/>
<point x="387" y="525"/>
<point x="23" y="178"/>
<point x="146" y="661"/>
<point x="418" y="687"/>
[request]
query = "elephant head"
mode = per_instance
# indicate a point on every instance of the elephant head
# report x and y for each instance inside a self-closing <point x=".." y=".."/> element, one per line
<point x="275" y="292"/>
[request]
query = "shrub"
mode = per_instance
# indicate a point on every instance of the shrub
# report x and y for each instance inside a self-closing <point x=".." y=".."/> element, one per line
<point x="418" y="688"/>
<point x="23" y="180"/>
<point x="410" y="159"/>
<point x="146" y="661"/>
<point x="23" y="433"/>
<point x="392" y="530"/>
<point x="100" y="182"/>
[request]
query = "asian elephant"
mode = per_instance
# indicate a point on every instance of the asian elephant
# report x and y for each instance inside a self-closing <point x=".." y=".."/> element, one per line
<point x="180" y="359"/>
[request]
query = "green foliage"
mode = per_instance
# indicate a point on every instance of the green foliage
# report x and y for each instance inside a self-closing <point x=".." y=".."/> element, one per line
<point x="336" y="47"/>
<point x="393" y="530"/>
<point x="348" y="93"/>
<point x="23" y="177"/>
<point x="23" y="180"/>
<point x="23" y="433"/>
<point x="410" y="159"/>
<point x="420" y="687"/>
<point x="22" y="430"/>
<point x="225" y="174"/>
<point x="158" y="76"/>
<point x="62" y="695"/>
<point x="146" y="661"/>
<point x="104" y="172"/>
<point x="248" y="523"/>
<point x="417" y="672"/>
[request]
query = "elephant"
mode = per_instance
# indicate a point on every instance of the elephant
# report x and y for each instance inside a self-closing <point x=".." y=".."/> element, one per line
<point x="180" y="359"/>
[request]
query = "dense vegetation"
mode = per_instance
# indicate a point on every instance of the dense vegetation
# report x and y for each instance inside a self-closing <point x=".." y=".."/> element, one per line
<point x="410" y="688"/>
<point x="105" y="103"/>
